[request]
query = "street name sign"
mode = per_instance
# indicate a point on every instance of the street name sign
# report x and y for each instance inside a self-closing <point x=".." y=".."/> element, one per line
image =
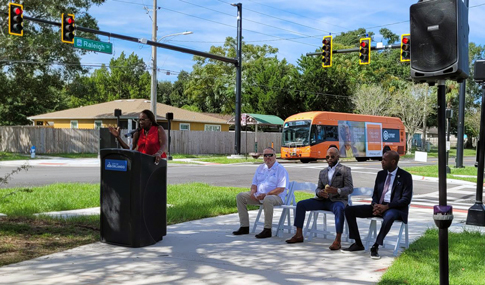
<point x="93" y="45"/>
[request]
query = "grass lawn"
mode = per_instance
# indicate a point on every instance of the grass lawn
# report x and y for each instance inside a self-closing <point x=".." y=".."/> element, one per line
<point x="73" y="155"/>
<point x="432" y="171"/>
<point x="13" y="156"/>
<point x="21" y="156"/>
<point x="23" y="236"/>
<point x="420" y="263"/>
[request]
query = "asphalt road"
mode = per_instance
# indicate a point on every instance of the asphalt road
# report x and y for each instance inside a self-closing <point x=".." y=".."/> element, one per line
<point x="239" y="175"/>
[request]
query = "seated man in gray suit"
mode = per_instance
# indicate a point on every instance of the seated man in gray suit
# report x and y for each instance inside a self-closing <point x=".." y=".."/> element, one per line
<point x="334" y="186"/>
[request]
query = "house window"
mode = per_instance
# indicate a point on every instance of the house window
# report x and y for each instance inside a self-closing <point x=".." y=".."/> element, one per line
<point x="184" y="127"/>
<point x="74" y="125"/>
<point x="40" y="123"/>
<point x="98" y="125"/>
<point x="212" y="128"/>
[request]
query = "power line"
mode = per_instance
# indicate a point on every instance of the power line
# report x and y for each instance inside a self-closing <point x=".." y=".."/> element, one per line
<point x="296" y="14"/>
<point x="168" y="9"/>
<point x="88" y="65"/>
<point x="245" y="19"/>
<point x="247" y="9"/>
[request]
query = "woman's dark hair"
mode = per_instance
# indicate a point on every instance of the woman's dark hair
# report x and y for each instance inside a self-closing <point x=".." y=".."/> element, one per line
<point x="150" y="116"/>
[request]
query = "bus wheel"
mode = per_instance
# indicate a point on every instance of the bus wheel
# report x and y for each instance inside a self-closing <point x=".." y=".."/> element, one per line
<point x="307" y="160"/>
<point x="360" y="159"/>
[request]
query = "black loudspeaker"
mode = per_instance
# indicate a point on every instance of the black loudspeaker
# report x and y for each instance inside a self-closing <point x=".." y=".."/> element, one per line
<point x="479" y="74"/>
<point x="439" y="40"/>
<point x="117" y="112"/>
<point x="169" y="116"/>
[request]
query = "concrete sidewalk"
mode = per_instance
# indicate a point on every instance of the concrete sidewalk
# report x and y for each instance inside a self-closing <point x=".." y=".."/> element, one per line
<point x="205" y="252"/>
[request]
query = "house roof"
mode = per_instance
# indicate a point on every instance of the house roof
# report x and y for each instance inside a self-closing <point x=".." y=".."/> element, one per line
<point x="130" y="109"/>
<point x="259" y="119"/>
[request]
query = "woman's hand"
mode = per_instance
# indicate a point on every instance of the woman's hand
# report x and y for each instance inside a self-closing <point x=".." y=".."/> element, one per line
<point x="158" y="157"/>
<point x="114" y="132"/>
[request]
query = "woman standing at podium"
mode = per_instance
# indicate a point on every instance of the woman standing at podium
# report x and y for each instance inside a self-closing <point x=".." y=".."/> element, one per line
<point x="150" y="138"/>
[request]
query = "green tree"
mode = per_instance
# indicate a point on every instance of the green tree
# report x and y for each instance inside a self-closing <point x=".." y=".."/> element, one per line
<point x="352" y="38"/>
<point x="126" y="78"/>
<point x="389" y="36"/>
<point x="35" y="83"/>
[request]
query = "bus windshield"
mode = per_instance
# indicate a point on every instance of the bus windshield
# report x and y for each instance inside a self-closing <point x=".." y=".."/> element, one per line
<point x="296" y="133"/>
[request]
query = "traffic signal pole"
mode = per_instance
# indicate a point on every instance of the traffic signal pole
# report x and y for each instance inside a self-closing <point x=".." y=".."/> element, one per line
<point x="349" y="50"/>
<point x="138" y="40"/>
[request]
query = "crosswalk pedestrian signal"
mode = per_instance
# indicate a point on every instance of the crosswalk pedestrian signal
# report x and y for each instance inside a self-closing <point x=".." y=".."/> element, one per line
<point x="15" y="19"/>
<point x="327" y="51"/>
<point x="67" y="28"/>
<point x="364" y="52"/>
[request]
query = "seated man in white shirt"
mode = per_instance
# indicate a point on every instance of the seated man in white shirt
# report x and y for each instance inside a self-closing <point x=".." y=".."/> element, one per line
<point x="268" y="188"/>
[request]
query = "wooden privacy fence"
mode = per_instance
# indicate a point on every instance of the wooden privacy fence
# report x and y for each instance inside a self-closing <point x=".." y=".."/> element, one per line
<point x="193" y="142"/>
<point x="48" y="140"/>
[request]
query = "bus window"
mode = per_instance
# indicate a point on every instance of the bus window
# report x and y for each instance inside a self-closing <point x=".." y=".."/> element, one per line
<point x="321" y="134"/>
<point x="331" y="133"/>
<point x="296" y="133"/>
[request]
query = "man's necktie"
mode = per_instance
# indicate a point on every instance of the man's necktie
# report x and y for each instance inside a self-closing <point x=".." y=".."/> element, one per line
<point x="386" y="186"/>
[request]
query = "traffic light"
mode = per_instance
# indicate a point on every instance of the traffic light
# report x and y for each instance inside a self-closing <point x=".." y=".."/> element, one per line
<point x="67" y="28"/>
<point x="15" y="19"/>
<point x="364" y="52"/>
<point x="405" y="47"/>
<point x="327" y="51"/>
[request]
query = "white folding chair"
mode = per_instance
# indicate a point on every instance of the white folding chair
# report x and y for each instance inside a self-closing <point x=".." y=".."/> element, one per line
<point x="285" y="217"/>
<point x="372" y="233"/>
<point x="289" y="200"/>
<point x="313" y="218"/>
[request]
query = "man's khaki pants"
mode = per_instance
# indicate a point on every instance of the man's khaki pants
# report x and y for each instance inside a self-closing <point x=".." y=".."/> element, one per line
<point x="244" y="198"/>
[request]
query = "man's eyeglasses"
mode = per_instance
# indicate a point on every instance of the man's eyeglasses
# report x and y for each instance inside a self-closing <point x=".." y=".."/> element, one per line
<point x="268" y="155"/>
<point x="330" y="156"/>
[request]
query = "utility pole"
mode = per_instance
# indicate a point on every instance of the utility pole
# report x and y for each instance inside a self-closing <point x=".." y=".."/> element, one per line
<point x="237" y="122"/>
<point x="153" y="97"/>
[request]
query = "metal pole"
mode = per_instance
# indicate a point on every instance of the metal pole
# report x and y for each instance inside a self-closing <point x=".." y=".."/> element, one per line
<point x="139" y="40"/>
<point x="153" y="95"/>
<point x="476" y="214"/>
<point x="448" y="117"/>
<point x="237" y="122"/>
<point x="443" y="232"/>
<point x="460" y="126"/>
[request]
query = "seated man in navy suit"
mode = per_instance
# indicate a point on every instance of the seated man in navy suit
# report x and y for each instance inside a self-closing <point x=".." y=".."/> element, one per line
<point x="393" y="191"/>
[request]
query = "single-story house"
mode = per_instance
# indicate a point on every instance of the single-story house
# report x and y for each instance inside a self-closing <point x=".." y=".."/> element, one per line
<point x="102" y="115"/>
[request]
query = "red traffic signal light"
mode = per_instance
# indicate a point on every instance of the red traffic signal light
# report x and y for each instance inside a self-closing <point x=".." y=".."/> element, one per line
<point x="327" y="51"/>
<point x="405" y="47"/>
<point x="364" y="51"/>
<point x="15" y="19"/>
<point x="67" y="28"/>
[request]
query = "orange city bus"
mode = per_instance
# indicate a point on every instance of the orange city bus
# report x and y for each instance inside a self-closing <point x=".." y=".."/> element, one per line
<point x="307" y="136"/>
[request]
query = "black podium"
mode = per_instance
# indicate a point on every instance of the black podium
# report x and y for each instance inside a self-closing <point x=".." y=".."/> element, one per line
<point x="133" y="198"/>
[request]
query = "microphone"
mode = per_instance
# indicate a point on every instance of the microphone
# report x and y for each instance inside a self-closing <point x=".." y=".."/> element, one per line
<point x="130" y="134"/>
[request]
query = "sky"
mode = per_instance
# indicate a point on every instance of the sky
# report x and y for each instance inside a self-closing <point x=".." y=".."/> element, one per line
<point x="294" y="27"/>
